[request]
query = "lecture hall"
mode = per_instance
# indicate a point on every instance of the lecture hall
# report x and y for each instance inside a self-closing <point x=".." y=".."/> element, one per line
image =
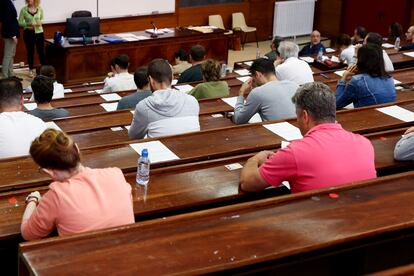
<point x="189" y="137"/>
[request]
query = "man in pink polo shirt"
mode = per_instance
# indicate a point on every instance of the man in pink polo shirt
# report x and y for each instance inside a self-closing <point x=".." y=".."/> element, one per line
<point x="327" y="155"/>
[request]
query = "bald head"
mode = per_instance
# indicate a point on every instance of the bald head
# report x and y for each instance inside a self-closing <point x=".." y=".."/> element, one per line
<point x="315" y="37"/>
<point x="410" y="34"/>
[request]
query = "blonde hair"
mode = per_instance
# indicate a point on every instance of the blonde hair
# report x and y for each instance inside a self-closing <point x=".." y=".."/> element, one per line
<point x="36" y="3"/>
<point x="54" y="149"/>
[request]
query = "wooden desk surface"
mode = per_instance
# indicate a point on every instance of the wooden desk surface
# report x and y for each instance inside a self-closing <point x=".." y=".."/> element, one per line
<point x="235" y="236"/>
<point x="187" y="187"/>
<point x="203" y="145"/>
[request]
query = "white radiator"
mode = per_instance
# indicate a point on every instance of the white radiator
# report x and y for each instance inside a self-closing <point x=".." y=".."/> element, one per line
<point x="293" y="18"/>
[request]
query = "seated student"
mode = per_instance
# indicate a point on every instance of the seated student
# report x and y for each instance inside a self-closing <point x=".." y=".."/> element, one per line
<point x="197" y="56"/>
<point x="327" y="155"/>
<point x="371" y="85"/>
<point x="289" y="67"/>
<point x="58" y="89"/>
<point x="410" y="39"/>
<point x="359" y="35"/>
<point x="141" y="81"/>
<point x="265" y="95"/>
<point x="273" y="54"/>
<point x="404" y="149"/>
<point x="121" y="79"/>
<point x="18" y="129"/>
<point x="43" y="91"/>
<point x="395" y="30"/>
<point x="344" y="44"/>
<point x="80" y="198"/>
<point x="181" y="63"/>
<point x="314" y="46"/>
<point x="212" y="87"/>
<point x="167" y="111"/>
<point x="376" y="39"/>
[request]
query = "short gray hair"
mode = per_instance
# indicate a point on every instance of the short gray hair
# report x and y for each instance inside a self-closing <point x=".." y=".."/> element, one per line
<point x="288" y="49"/>
<point x="318" y="100"/>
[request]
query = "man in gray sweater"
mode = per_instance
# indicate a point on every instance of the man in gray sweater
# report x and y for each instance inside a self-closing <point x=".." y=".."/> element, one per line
<point x="167" y="111"/>
<point x="265" y="95"/>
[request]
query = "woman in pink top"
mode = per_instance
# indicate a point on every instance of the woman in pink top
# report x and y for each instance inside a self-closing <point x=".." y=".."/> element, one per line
<point x="80" y="199"/>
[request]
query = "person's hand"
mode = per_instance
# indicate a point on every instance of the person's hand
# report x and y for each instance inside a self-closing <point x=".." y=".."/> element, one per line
<point x="15" y="40"/>
<point x="246" y="87"/>
<point x="349" y="72"/>
<point x="410" y="130"/>
<point x="278" y="61"/>
<point x="262" y="156"/>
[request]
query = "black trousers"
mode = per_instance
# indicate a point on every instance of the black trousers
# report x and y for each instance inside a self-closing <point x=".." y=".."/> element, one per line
<point x="31" y="39"/>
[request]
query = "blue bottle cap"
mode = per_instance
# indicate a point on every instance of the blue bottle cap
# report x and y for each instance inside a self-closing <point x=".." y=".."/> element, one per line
<point x="144" y="153"/>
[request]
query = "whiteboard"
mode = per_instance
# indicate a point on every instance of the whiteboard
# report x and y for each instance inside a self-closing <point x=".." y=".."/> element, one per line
<point x="119" y="8"/>
<point x="58" y="10"/>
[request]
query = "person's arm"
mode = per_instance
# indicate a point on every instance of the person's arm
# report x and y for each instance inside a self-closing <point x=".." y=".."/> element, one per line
<point x="404" y="149"/>
<point x="345" y="94"/>
<point x="38" y="222"/>
<point x="389" y="67"/>
<point x="250" y="179"/>
<point x="139" y="125"/>
<point x="22" y="20"/>
<point x="244" y="111"/>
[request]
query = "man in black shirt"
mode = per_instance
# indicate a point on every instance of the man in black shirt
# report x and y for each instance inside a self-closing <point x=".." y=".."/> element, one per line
<point x="197" y="55"/>
<point x="410" y="38"/>
<point x="10" y="33"/>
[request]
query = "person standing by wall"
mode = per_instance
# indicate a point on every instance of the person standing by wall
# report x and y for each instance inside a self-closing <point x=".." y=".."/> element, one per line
<point x="10" y="33"/>
<point x="31" y="19"/>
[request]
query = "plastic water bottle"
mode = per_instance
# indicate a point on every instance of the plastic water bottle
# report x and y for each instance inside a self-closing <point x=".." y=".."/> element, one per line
<point x="257" y="53"/>
<point x="397" y="43"/>
<point x="62" y="41"/>
<point x="143" y="168"/>
<point x="320" y="55"/>
<point x="223" y="70"/>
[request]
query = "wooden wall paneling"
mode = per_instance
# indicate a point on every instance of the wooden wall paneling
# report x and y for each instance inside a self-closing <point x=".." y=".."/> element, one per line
<point x="261" y="17"/>
<point x="328" y="15"/>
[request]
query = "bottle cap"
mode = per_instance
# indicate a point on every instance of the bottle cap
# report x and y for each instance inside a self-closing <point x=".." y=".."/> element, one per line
<point x="144" y="153"/>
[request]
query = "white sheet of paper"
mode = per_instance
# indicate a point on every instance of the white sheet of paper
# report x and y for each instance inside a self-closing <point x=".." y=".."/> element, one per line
<point x="398" y="113"/>
<point x="96" y="82"/>
<point x="307" y="59"/>
<point x="230" y="101"/>
<point x="128" y="36"/>
<point x="410" y="54"/>
<point x="287" y="184"/>
<point x="109" y="106"/>
<point x="67" y="90"/>
<point x="234" y="166"/>
<point x="340" y="72"/>
<point x="127" y="127"/>
<point x="185" y="88"/>
<point x="117" y="129"/>
<point x="99" y="91"/>
<point x="244" y="79"/>
<point x="329" y="50"/>
<point x="285" y="130"/>
<point x="255" y="119"/>
<point x="242" y="72"/>
<point x="174" y="82"/>
<point x="396" y="82"/>
<point x="157" y="151"/>
<point x="387" y="45"/>
<point x="217" y="115"/>
<point x="284" y="144"/>
<point x="349" y="106"/>
<point x="335" y="59"/>
<point x="399" y="88"/>
<point x="30" y="106"/>
<point x="111" y="97"/>
<point x="248" y="63"/>
<point x="141" y="37"/>
<point x="53" y="125"/>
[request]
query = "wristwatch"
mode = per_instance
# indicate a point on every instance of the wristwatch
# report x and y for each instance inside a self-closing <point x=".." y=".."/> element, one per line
<point x="30" y="198"/>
